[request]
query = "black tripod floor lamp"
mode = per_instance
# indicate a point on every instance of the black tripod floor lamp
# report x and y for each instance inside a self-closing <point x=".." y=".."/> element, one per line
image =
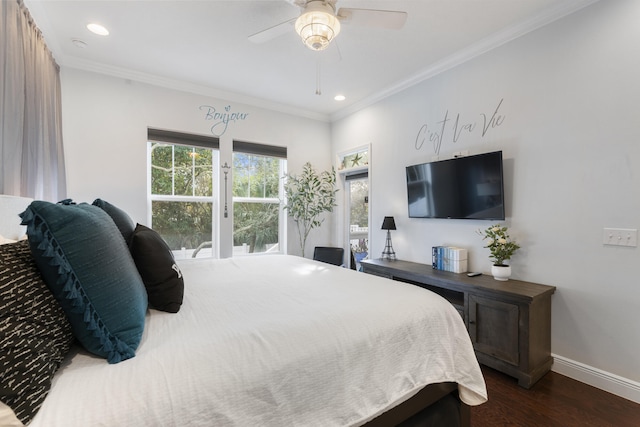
<point x="388" y="224"/>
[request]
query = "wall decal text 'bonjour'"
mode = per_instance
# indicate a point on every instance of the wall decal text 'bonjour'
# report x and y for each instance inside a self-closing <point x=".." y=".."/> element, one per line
<point x="221" y="120"/>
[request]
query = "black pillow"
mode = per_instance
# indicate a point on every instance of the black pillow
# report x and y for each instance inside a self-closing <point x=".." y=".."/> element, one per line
<point x="121" y="218"/>
<point x="158" y="269"/>
<point x="35" y="334"/>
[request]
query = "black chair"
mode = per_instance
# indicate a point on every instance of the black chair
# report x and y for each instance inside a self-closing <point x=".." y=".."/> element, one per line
<point x="328" y="254"/>
<point x="353" y="261"/>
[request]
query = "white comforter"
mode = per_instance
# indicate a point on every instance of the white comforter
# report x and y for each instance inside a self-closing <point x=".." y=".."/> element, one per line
<point x="273" y="341"/>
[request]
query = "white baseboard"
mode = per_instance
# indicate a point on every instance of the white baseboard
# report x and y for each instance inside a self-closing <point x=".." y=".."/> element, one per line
<point x="606" y="381"/>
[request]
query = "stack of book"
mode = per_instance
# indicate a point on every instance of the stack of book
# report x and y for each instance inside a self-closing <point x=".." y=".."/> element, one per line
<point x="449" y="258"/>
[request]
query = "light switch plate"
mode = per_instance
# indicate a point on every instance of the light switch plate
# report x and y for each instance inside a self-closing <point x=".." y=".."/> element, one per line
<point x="620" y="237"/>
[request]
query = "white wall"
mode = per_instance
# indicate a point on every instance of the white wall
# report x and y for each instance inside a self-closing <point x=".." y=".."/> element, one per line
<point x="105" y="121"/>
<point x="571" y="142"/>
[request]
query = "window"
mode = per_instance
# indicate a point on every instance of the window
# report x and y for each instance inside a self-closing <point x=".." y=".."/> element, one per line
<point x="353" y="166"/>
<point x="352" y="160"/>
<point x="357" y="198"/>
<point x="258" y="218"/>
<point x="181" y="191"/>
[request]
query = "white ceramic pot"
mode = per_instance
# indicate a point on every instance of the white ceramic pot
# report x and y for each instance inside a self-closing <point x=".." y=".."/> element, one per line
<point x="501" y="272"/>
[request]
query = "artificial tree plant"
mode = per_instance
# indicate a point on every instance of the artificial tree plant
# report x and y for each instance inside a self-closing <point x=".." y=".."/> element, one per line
<point x="308" y="196"/>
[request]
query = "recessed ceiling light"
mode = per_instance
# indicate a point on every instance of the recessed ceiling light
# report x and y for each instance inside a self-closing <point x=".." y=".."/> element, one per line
<point x="339" y="97"/>
<point x="98" y="29"/>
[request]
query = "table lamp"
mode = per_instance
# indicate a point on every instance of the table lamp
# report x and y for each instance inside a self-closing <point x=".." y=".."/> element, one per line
<point x="388" y="224"/>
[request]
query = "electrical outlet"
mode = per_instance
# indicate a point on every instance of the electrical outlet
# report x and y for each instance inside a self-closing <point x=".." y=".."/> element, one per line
<point x="620" y="237"/>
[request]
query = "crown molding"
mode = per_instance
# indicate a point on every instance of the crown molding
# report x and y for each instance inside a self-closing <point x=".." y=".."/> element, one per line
<point x="179" y="85"/>
<point x="558" y="11"/>
<point x="485" y="45"/>
<point x="65" y="61"/>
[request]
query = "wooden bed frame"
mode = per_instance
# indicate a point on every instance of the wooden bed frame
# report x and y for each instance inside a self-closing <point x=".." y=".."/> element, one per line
<point x="434" y="406"/>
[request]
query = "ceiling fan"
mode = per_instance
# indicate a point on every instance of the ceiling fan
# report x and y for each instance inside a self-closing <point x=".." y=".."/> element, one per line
<point x="319" y="23"/>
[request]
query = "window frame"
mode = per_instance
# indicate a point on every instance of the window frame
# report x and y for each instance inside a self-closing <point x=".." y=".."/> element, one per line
<point x="195" y="141"/>
<point x="264" y="150"/>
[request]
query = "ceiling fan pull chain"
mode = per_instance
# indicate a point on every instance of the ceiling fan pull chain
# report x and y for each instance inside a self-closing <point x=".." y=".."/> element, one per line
<point x="318" y="89"/>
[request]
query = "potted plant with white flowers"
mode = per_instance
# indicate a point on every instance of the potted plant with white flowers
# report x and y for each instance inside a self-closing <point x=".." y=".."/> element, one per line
<point x="502" y="248"/>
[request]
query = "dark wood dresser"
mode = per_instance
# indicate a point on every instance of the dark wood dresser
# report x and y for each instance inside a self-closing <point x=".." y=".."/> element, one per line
<point x="509" y="322"/>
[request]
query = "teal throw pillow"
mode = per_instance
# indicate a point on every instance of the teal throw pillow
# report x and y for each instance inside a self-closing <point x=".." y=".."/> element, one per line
<point x="122" y="219"/>
<point x="88" y="268"/>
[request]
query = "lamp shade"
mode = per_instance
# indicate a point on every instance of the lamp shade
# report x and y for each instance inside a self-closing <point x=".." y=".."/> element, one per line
<point x="388" y="223"/>
<point x="318" y="25"/>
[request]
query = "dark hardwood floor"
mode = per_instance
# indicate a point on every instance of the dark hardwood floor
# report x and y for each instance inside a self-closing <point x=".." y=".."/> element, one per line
<point x="553" y="401"/>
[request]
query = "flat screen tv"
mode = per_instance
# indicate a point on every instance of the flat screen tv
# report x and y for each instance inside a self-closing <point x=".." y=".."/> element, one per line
<point x="469" y="187"/>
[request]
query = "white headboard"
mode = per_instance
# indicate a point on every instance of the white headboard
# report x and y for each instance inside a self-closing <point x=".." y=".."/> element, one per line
<point x="10" y="207"/>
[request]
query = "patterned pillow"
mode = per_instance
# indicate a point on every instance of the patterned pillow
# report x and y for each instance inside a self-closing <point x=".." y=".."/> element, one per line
<point x="159" y="271"/>
<point x="35" y="334"/>
<point x="89" y="269"/>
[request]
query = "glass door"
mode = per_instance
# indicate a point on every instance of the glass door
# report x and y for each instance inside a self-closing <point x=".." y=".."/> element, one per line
<point x="357" y="192"/>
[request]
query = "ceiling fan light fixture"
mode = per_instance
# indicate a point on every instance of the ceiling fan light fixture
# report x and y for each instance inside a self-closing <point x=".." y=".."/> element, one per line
<point x="318" y="25"/>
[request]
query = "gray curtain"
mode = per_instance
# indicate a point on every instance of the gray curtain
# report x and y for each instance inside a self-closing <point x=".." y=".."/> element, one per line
<point x="31" y="155"/>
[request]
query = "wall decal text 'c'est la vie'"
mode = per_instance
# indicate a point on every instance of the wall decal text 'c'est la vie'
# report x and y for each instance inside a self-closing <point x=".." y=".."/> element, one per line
<point x="457" y="128"/>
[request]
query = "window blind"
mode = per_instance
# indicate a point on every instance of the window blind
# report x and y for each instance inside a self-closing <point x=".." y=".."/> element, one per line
<point x="359" y="175"/>
<point x="260" y="149"/>
<point x="181" y="138"/>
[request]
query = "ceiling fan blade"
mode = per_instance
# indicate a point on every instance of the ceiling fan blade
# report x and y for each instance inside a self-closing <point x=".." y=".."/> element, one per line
<point x="389" y="19"/>
<point x="273" y="32"/>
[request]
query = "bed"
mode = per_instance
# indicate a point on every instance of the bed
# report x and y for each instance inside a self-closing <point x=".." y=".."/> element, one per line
<point x="277" y="340"/>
